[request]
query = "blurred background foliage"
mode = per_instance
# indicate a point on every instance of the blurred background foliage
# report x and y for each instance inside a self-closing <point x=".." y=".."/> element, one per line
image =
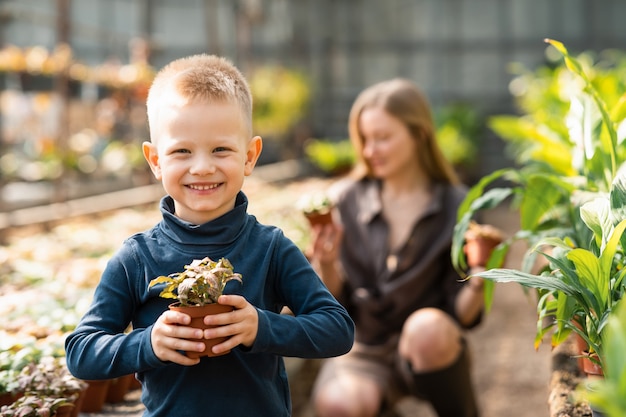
<point x="543" y="96"/>
<point x="459" y="133"/>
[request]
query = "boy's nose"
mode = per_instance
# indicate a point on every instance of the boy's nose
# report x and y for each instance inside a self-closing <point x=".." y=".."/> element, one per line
<point x="202" y="166"/>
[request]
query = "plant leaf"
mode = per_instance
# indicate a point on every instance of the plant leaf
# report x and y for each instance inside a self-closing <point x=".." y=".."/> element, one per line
<point x="159" y="280"/>
<point x="528" y="280"/>
<point x="596" y="214"/>
<point x="591" y="276"/>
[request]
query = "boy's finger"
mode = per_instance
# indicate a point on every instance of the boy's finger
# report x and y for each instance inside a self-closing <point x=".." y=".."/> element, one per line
<point x="175" y="317"/>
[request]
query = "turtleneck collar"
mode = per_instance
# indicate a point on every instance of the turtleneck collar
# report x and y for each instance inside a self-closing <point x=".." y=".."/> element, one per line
<point x="220" y="231"/>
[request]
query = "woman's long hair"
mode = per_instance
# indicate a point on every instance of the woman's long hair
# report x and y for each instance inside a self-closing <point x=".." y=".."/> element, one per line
<point x="402" y="99"/>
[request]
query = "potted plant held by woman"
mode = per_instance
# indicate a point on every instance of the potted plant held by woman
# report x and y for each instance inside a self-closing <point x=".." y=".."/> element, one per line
<point x="197" y="290"/>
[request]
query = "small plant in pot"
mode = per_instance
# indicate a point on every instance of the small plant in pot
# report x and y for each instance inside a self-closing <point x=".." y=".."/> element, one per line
<point x="50" y="377"/>
<point x="197" y="290"/>
<point x="480" y="241"/>
<point x="32" y="405"/>
<point x="317" y="208"/>
<point x="9" y="387"/>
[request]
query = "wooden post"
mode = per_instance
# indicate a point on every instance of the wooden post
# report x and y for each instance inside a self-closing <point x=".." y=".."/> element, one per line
<point x="62" y="89"/>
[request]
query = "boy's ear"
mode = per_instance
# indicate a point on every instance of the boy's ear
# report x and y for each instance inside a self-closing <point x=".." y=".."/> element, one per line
<point x="152" y="156"/>
<point x="255" y="146"/>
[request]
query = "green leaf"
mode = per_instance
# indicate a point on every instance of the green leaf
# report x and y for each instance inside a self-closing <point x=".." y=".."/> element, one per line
<point x="540" y="196"/>
<point x="537" y="143"/>
<point x="597" y="216"/>
<point x="474" y="202"/>
<point x="617" y="195"/>
<point x="528" y="280"/>
<point x="571" y="279"/>
<point x="610" y="143"/>
<point x="571" y="63"/>
<point x="606" y="258"/>
<point x="610" y="392"/>
<point x="591" y="275"/>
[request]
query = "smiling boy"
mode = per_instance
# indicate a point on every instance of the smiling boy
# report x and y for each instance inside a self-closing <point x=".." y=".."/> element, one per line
<point x="201" y="149"/>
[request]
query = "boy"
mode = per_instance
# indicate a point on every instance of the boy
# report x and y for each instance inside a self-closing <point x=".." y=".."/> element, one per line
<point x="200" y="112"/>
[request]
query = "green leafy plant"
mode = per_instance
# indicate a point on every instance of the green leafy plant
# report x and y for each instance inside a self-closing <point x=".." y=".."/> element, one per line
<point x="8" y="382"/>
<point x="571" y="208"/>
<point x="50" y="377"/>
<point x="609" y="393"/>
<point x="281" y="97"/>
<point x="34" y="406"/>
<point x="459" y="129"/>
<point x="202" y="282"/>
<point x="584" y="284"/>
<point x="330" y="156"/>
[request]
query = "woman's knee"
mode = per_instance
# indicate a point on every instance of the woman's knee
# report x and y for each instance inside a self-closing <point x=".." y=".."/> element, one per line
<point x="430" y="340"/>
<point x="347" y="397"/>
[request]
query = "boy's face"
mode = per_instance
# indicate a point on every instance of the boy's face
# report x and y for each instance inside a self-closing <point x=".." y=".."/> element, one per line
<point x="201" y="153"/>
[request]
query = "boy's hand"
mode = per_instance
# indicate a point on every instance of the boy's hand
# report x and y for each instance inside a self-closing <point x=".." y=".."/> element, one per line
<point x="168" y="338"/>
<point x="240" y="325"/>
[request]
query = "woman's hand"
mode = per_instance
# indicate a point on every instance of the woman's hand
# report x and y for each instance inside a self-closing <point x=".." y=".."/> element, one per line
<point x="324" y="255"/>
<point x="326" y="240"/>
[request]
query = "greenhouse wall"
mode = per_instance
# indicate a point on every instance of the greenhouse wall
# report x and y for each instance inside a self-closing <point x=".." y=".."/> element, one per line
<point x="457" y="50"/>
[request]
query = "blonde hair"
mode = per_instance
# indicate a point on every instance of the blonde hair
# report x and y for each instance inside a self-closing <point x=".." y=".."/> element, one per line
<point x="200" y="77"/>
<point x="403" y="100"/>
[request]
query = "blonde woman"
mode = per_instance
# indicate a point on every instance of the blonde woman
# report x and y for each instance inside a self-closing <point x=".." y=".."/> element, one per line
<point x="387" y="260"/>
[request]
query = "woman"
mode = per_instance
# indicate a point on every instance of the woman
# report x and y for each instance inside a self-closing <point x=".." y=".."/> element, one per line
<point x="388" y="261"/>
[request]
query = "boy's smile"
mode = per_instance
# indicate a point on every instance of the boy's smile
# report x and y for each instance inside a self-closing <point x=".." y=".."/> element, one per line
<point x="202" y="154"/>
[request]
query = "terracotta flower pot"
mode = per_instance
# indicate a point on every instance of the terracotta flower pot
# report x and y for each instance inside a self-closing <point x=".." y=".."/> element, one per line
<point x="197" y="314"/>
<point x="79" y="397"/>
<point x="95" y="396"/>
<point x="317" y="217"/>
<point x="479" y="249"/>
<point x="590" y="367"/>
<point x="64" y="410"/>
<point x="480" y="241"/>
<point x="9" y="398"/>
<point x="118" y="388"/>
<point x="134" y="383"/>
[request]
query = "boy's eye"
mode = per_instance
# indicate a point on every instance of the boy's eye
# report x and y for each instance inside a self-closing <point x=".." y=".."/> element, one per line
<point x="181" y="151"/>
<point x="220" y="149"/>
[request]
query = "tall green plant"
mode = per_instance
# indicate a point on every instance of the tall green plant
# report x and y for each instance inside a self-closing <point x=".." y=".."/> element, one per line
<point x="570" y="198"/>
<point x="561" y="166"/>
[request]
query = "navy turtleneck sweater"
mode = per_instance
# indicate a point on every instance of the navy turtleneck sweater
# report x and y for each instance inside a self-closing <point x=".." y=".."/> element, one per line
<point x="245" y="382"/>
